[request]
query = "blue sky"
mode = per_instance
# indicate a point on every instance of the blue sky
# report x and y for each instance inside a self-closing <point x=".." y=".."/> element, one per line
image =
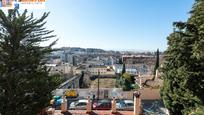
<point x="115" y="24"/>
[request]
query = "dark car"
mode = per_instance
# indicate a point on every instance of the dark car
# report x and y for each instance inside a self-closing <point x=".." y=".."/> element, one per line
<point x="102" y="105"/>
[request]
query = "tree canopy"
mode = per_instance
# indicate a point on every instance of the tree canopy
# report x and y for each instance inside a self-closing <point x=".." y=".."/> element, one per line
<point x="25" y="83"/>
<point x="123" y="69"/>
<point x="183" y="70"/>
<point x="157" y="62"/>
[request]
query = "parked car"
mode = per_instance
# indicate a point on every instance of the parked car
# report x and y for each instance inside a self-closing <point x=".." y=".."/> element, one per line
<point x="129" y="105"/>
<point x="120" y="105"/>
<point x="56" y="102"/>
<point x="102" y="105"/>
<point x="80" y="104"/>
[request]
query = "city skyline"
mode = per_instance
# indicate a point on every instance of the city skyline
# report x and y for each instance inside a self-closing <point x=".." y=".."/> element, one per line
<point x="115" y="25"/>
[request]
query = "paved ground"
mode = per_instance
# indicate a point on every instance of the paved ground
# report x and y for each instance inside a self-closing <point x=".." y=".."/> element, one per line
<point x="95" y="112"/>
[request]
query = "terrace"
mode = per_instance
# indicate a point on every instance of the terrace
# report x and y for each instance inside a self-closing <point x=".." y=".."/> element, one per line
<point x="143" y="104"/>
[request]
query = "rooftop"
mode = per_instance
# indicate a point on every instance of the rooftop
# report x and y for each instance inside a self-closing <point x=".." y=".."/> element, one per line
<point x="97" y="66"/>
<point x="138" y="56"/>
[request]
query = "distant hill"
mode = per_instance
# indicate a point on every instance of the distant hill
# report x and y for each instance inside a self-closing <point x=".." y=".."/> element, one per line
<point x="97" y="50"/>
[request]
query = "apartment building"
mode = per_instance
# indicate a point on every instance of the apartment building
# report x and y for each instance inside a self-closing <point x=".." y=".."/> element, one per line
<point x="101" y="69"/>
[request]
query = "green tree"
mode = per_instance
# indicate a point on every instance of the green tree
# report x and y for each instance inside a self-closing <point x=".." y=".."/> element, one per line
<point x="120" y="61"/>
<point x="25" y="83"/>
<point x="198" y="111"/>
<point x="123" y="69"/>
<point x="127" y="77"/>
<point x="157" y="62"/>
<point x="124" y="81"/>
<point x="196" y="23"/>
<point x="74" y="60"/>
<point x="183" y="68"/>
<point x="196" y="18"/>
<point x="126" y="85"/>
<point x="81" y="80"/>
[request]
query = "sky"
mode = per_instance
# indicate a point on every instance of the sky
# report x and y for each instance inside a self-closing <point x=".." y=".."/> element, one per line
<point x="115" y="24"/>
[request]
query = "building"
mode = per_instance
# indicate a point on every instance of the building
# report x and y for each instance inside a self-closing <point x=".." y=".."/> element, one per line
<point x="95" y="63"/>
<point x="109" y="61"/>
<point x="78" y="70"/>
<point x="139" y="59"/>
<point x="56" y="61"/>
<point x="100" y="69"/>
<point x="7" y="3"/>
<point x="63" y="68"/>
<point x="146" y="62"/>
<point x="133" y="69"/>
<point x="129" y="69"/>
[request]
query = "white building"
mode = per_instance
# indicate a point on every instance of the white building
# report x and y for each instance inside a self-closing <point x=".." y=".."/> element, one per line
<point x="133" y="69"/>
<point x="78" y="70"/>
<point x="129" y="69"/>
<point x="102" y="70"/>
<point x="95" y="63"/>
<point x="63" y="68"/>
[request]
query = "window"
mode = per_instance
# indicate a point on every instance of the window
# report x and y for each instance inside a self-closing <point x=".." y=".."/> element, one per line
<point x="81" y="104"/>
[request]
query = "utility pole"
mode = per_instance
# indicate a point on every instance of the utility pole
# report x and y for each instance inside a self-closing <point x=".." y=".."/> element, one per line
<point x="140" y="80"/>
<point x="98" y="93"/>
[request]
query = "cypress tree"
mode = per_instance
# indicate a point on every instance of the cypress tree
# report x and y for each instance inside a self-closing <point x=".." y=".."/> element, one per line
<point x="197" y="21"/>
<point x="120" y="61"/>
<point x="123" y="69"/>
<point x="157" y="62"/>
<point x="183" y="70"/>
<point x="25" y="83"/>
<point x="81" y="79"/>
<point x="126" y="85"/>
<point x="74" y="60"/>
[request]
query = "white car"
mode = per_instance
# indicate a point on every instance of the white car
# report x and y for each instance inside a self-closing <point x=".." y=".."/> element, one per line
<point x="80" y="104"/>
<point x="129" y="104"/>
